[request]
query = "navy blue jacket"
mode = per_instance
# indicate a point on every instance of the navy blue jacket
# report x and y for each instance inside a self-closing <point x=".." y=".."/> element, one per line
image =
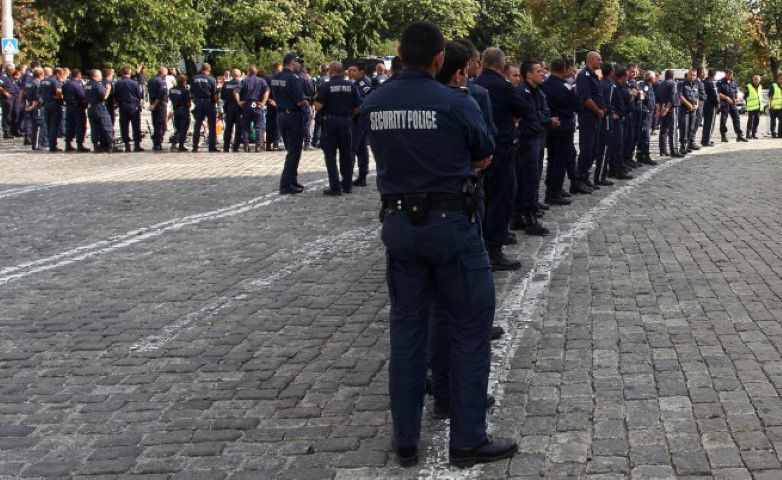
<point x="73" y="93"/>
<point x="537" y="118"/>
<point x="481" y="96"/>
<point x="96" y="92"/>
<point x="424" y="136"/>
<point x="286" y="90"/>
<point x="158" y="89"/>
<point x="506" y="105"/>
<point x="689" y="91"/>
<point x="202" y="87"/>
<point x="48" y="89"/>
<point x="650" y="100"/>
<point x="563" y="102"/>
<point x="128" y="94"/>
<point x="711" y="92"/>
<point x="338" y="96"/>
<point x="227" y="93"/>
<point x="252" y="89"/>
<point x="180" y="97"/>
<point x="728" y="88"/>
<point x="588" y="87"/>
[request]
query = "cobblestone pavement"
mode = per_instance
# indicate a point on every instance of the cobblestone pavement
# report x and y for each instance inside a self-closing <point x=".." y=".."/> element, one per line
<point x="169" y="315"/>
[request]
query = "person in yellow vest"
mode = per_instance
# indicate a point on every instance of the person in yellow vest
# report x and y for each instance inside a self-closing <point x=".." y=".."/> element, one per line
<point x="775" y="107"/>
<point x="754" y="98"/>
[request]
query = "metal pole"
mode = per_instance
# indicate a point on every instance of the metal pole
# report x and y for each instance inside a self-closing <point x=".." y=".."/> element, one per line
<point x="8" y="26"/>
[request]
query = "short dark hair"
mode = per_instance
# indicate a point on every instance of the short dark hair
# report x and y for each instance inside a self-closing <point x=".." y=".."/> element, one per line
<point x="181" y="80"/>
<point x="421" y="41"/>
<point x="621" y="72"/>
<point x="125" y="71"/>
<point x="457" y="56"/>
<point x="467" y="43"/>
<point x="607" y="69"/>
<point x="712" y="72"/>
<point x="529" y="66"/>
<point x="359" y="65"/>
<point x="559" y="65"/>
<point x="632" y="65"/>
<point x="669" y="74"/>
<point x="75" y="72"/>
<point x="728" y="70"/>
<point x="396" y="63"/>
<point x="35" y="64"/>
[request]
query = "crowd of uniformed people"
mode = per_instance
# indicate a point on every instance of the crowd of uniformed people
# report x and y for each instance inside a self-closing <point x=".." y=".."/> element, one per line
<point x="459" y="139"/>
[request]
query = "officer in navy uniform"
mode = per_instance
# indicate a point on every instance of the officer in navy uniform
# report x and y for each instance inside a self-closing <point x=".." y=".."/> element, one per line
<point x="699" y="78"/>
<point x="180" y="102"/>
<point x="620" y="110"/>
<point x="499" y="179"/>
<point x="111" y="105"/>
<point x="564" y="104"/>
<point x="357" y="73"/>
<point x="232" y="112"/>
<point x="289" y="98"/>
<point x="632" y="122"/>
<point x="337" y="100"/>
<point x="203" y="90"/>
<point x="689" y="96"/>
<point x="158" y="105"/>
<point x="669" y="105"/>
<point x="24" y="118"/>
<point x="709" y="107"/>
<point x="428" y="141"/>
<point x="33" y="109"/>
<point x="648" y="108"/>
<point x="128" y="94"/>
<point x="607" y="130"/>
<point x="101" y="128"/>
<point x="477" y="92"/>
<point x="50" y="92"/>
<point x="588" y="90"/>
<point x="9" y="99"/>
<point x="727" y="91"/>
<point x="75" y="112"/>
<point x="323" y="77"/>
<point x="532" y="128"/>
<point x="252" y="97"/>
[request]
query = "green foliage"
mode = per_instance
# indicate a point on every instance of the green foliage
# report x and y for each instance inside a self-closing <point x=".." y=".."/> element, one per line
<point x="570" y="25"/>
<point x="455" y="17"/>
<point x="38" y="33"/>
<point x="651" y="53"/>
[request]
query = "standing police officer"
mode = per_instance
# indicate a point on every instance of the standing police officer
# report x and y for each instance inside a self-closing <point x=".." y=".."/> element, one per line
<point x="252" y="97"/>
<point x="203" y="89"/>
<point x="180" y="102"/>
<point x="700" y="76"/>
<point x="709" y="107"/>
<point x="50" y="92"/>
<point x="33" y="110"/>
<point x="337" y="101"/>
<point x="111" y="105"/>
<point x="9" y="99"/>
<point x="620" y="111"/>
<point x="588" y="89"/>
<point x="289" y="98"/>
<point x="158" y="105"/>
<point x="232" y="111"/>
<point x="669" y="105"/>
<point x="689" y="96"/>
<point x="727" y="91"/>
<point x="428" y="141"/>
<point x="128" y="95"/>
<point x="648" y="107"/>
<point x="357" y="73"/>
<point x="75" y="112"/>
<point x="633" y="120"/>
<point x="101" y="128"/>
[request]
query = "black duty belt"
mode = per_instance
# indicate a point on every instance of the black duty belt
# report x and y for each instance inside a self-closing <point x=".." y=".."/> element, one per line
<point x="434" y="201"/>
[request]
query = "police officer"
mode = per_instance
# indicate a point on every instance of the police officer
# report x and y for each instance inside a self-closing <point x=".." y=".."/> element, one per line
<point x="700" y="76"/>
<point x="532" y="127"/>
<point x="338" y="101"/>
<point x="727" y="91"/>
<point x="606" y="130"/>
<point x="111" y="105"/>
<point x="203" y="90"/>
<point x="775" y="107"/>
<point x="428" y="140"/>
<point x="24" y="83"/>
<point x="232" y="112"/>
<point x="308" y="87"/>
<point x="158" y="105"/>
<point x="754" y="98"/>
<point x="128" y="94"/>
<point x="273" y="135"/>
<point x="670" y="101"/>
<point x="101" y="128"/>
<point x="648" y="110"/>
<point x="33" y="110"/>
<point x="50" y="92"/>
<point x="9" y="99"/>
<point x="499" y="179"/>
<point x="564" y="104"/>
<point x="75" y="112"/>
<point x="632" y="122"/>
<point x="289" y="99"/>
<point x="357" y="73"/>
<point x="477" y="92"/>
<point x="180" y="102"/>
<point x="588" y="90"/>
<point x="709" y="107"/>
<point x="252" y="97"/>
<point x="620" y="110"/>
<point x="323" y="77"/>
<point x="689" y="96"/>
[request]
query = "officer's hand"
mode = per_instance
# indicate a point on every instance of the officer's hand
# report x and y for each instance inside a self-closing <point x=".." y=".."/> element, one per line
<point x="601" y="114"/>
<point x="481" y="164"/>
<point x="614" y="117"/>
<point x="555" y="123"/>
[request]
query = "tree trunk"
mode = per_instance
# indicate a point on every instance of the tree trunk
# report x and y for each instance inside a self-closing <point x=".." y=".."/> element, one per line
<point x="774" y="63"/>
<point x="190" y="65"/>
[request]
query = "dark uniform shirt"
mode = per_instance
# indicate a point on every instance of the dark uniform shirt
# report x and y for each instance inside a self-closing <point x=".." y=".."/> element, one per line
<point x="481" y="96"/>
<point x="48" y="89"/>
<point x="621" y="101"/>
<point x="711" y="92"/>
<point x="203" y="87"/>
<point x="536" y="119"/>
<point x="650" y="99"/>
<point x="110" y="102"/>
<point x="96" y="92"/>
<point x="253" y="88"/>
<point x="9" y="84"/>
<point x="689" y="90"/>
<point x="506" y="105"/>
<point x="701" y="89"/>
<point x="73" y="93"/>
<point x="728" y="88"/>
<point x="31" y="91"/>
<point x="364" y="87"/>
<point x="588" y="87"/>
<point x="338" y="96"/>
<point x="635" y="103"/>
<point x="307" y="86"/>
<point x="158" y="89"/>
<point x="180" y="97"/>
<point x="286" y="90"/>
<point x="669" y="93"/>
<point x="227" y="92"/>
<point x="128" y="93"/>
<point x="424" y="135"/>
<point x="563" y="102"/>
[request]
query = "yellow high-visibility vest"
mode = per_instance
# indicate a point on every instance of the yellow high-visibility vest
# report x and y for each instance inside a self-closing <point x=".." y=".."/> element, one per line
<point x="776" y="100"/>
<point x="753" y="98"/>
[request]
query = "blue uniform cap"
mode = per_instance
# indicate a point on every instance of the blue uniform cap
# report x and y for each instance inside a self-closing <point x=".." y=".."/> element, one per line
<point x="290" y="56"/>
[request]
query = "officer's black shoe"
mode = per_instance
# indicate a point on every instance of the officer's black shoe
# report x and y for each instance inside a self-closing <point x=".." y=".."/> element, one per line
<point x="773" y="135"/>
<point x="724" y="139"/>
<point x="557" y="200"/>
<point x="214" y="150"/>
<point x="82" y="149"/>
<point x="605" y="183"/>
<point x="307" y="147"/>
<point x="650" y="162"/>
<point x="623" y="176"/>
<point x="360" y="182"/>
<point x="173" y="147"/>
<point x="69" y="147"/>
<point x="516" y="222"/>
<point x="591" y="185"/>
<point x="511" y="239"/>
<point x="442" y="410"/>
<point x="247" y="149"/>
<point x="677" y="155"/>
<point x="55" y="150"/>
<point x="226" y="149"/>
<point x="543" y="206"/>
<point x="290" y="190"/>
<point x="27" y="140"/>
<point x="741" y="139"/>
<point x="538" y="213"/>
<point x="157" y="147"/>
<point x="495" y="334"/>
<point x="332" y="192"/>
<point x="407" y="456"/>
<point x="491" y="450"/>
<point x="564" y="194"/>
<point x="183" y="148"/>
<point x="298" y="185"/>
<point x="533" y="227"/>
<point x="694" y="147"/>
<point x="577" y="186"/>
<point x="500" y="262"/>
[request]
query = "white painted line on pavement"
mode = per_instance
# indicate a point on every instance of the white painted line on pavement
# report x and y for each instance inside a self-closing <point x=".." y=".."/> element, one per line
<point x="519" y="307"/>
<point x="9" y="274"/>
<point x="358" y="241"/>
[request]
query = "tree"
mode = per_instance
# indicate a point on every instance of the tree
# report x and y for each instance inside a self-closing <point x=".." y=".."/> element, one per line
<point x="765" y="27"/>
<point x="38" y="33"/>
<point x="455" y="17"/>
<point x="570" y="25"/>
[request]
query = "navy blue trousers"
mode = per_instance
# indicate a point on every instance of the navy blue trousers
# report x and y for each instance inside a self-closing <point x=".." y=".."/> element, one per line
<point x="253" y="118"/>
<point x="159" y="118"/>
<point x="205" y="109"/>
<point x="527" y="175"/>
<point x="232" y="126"/>
<point x="336" y="136"/>
<point x="52" y="117"/>
<point x="360" y="151"/>
<point x="292" y="129"/>
<point x="130" y="119"/>
<point x="587" y="139"/>
<point x="444" y="258"/>
<point x="75" y="123"/>
<point x="668" y="140"/>
<point x="499" y="185"/>
<point x="732" y="112"/>
<point x="101" y="127"/>
<point x="181" y="125"/>
<point x="561" y="159"/>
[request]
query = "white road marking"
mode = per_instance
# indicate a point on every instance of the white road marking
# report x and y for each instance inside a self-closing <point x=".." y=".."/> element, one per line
<point x="355" y="242"/>
<point x="518" y="308"/>
<point x="9" y="274"/>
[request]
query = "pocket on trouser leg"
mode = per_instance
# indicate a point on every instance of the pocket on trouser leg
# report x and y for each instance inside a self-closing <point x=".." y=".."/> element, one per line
<point x="478" y="282"/>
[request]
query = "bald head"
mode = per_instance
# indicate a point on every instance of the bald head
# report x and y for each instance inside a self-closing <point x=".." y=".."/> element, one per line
<point x="336" y="69"/>
<point x="493" y="58"/>
<point x="593" y="60"/>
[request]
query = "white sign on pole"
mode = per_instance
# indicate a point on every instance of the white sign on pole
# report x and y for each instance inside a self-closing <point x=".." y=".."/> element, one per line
<point x="9" y="46"/>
